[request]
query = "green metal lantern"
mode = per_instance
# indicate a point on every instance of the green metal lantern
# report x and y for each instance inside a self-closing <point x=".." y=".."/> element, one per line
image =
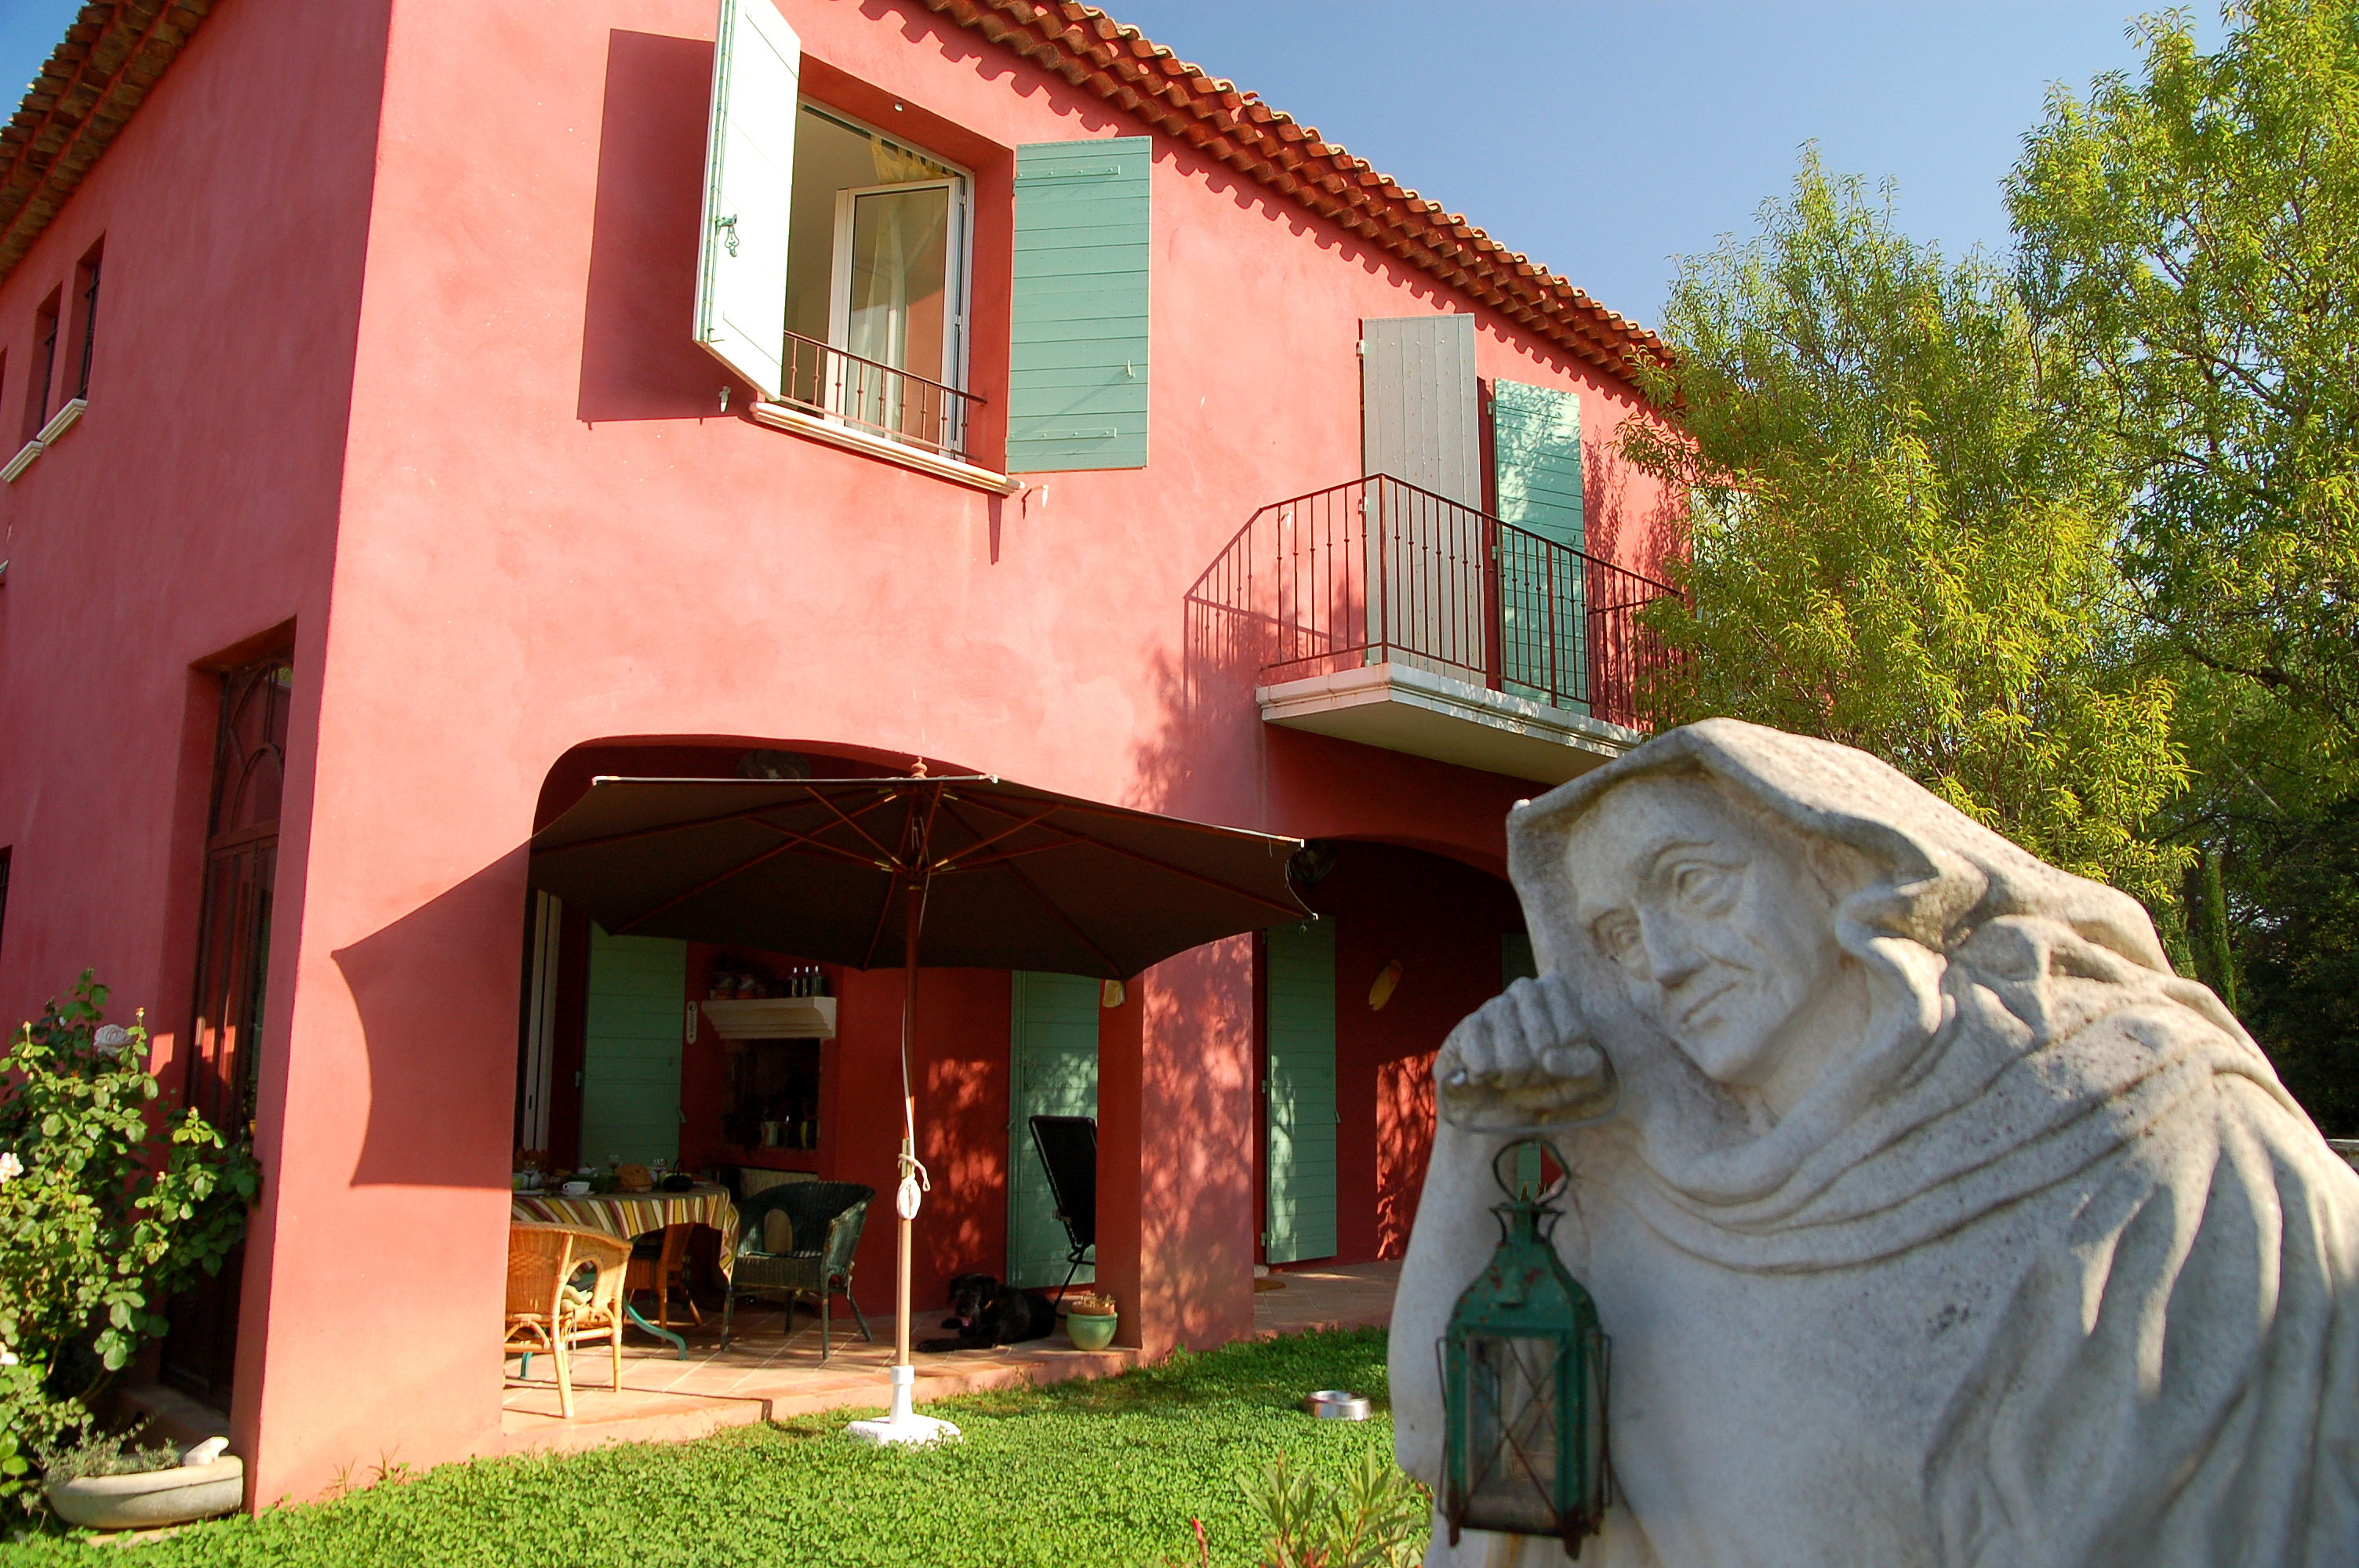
<point x="1523" y="1379"/>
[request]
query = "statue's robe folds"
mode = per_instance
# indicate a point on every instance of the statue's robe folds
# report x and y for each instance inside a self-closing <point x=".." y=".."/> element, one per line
<point x="2050" y="1273"/>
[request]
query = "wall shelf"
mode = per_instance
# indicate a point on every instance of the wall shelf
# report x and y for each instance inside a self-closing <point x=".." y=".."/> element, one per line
<point x="774" y="1018"/>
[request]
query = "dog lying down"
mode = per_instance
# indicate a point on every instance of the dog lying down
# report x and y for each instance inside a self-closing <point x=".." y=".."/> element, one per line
<point x="984" y="1313"/>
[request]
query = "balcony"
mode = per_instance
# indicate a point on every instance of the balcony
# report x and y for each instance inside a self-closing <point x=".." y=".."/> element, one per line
<point x="837" y="396"/>
<point x="1385" y="615"/>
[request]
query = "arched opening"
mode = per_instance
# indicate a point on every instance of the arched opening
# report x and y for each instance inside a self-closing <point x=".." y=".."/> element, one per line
<point x="747" y="1067"/>
<point x="1354" y="1008"/>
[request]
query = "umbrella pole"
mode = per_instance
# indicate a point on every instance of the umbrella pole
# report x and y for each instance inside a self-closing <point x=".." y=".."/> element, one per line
<point x="903" y="1426"/>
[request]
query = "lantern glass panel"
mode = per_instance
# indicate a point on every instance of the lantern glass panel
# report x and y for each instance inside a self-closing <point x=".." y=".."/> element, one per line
<point x="1512" y="1434"/>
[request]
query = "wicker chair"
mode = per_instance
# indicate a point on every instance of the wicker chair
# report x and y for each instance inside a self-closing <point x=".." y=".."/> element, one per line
<point x="601" y="1315"/>
<point x="546" y="1314"/>
<point x="657" y="1261"/>
<point x="827" y="1217"/>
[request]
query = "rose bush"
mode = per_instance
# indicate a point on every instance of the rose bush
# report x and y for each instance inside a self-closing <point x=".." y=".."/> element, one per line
<point x="107" y="1210"/>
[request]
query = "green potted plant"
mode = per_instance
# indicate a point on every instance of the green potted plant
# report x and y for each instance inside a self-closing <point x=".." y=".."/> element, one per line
<point x="1090" y="1320"/>
<point x="103" y="1483"/>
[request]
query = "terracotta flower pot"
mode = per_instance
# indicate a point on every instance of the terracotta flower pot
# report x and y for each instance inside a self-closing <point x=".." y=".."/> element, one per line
<point x="153" y="1498"/>
<point x="1091" y="1331"/>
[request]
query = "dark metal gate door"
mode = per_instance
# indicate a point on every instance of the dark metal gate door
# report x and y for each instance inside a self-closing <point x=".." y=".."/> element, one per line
<point x="233" y="975"/>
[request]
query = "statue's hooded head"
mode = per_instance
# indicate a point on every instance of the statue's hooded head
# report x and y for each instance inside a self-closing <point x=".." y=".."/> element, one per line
<point x="1789" y="913"/>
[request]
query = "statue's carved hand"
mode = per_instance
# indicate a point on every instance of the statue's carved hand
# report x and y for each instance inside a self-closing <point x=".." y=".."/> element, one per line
<point x="1525" y="1058"/>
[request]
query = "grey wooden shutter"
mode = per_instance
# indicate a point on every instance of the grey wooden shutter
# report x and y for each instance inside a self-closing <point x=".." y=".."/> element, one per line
<point x="1417" y="413"/>
<point x="1421" y="425"/>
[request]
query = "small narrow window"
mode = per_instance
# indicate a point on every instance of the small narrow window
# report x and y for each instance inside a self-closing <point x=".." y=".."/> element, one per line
<point x="86" y="316"/>
<point x="45" y="365"/>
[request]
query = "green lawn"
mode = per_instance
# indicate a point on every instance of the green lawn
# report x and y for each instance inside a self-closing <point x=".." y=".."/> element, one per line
<point x="1097" y="1475"/>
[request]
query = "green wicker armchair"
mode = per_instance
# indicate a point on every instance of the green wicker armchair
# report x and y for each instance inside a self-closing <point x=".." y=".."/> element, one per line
<point x="828" y="1217"/>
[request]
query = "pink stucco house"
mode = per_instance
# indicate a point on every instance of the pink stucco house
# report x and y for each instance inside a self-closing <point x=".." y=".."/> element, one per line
<point x="413" y="408"/>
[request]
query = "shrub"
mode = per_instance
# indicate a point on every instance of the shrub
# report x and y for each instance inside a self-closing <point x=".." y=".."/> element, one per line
<point x="107" y="1211"/>
<point x="1376" y="1518"/>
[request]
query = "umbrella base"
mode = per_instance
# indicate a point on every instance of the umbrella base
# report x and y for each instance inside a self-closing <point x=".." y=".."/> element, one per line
<point x="904" y="1428"/>
<point x="903" y="1432"/>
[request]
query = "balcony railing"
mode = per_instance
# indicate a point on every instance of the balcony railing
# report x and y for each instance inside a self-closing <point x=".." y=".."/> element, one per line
<point x="868" y="394"/>
<point x="1378" y="571"/>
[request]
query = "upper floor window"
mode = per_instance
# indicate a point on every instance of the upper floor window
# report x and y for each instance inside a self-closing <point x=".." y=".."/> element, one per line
<point x="877" y="270"/>
<point x="44" y="366"/>
<point x="834" y="271"/>
<point x="834" y="258"/>
<point x="85" y="318"/>
<point x="65" y="341"/>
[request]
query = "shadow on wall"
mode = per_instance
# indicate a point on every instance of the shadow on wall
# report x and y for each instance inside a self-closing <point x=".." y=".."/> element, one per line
<point x="436" y="993"/>
<point x="1196" y="1185"/>
<point x="1642" y="538"/>
<point x="639" y="361"/>
<point x="1405" y="1124"/>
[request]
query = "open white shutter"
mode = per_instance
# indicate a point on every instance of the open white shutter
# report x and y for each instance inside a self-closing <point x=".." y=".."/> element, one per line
<point x="749" y="168"/>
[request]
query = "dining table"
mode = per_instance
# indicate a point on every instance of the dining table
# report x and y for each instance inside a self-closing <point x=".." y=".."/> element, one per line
<point x="629" y="1216"/>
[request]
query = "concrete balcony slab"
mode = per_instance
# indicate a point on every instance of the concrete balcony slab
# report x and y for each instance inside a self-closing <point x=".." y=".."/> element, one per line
<point x="1402" y="707"/>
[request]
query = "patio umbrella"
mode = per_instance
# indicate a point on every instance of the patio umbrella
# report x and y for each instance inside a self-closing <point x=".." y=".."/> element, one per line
<point x="956" y="871"/>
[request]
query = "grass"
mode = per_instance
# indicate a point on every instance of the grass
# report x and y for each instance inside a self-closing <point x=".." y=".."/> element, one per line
<point x="1083" y="1474"/>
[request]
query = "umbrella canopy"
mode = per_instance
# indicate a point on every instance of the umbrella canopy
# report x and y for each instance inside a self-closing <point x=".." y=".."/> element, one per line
<point x="957" y="871"/>
<point x="1007" y="877"/>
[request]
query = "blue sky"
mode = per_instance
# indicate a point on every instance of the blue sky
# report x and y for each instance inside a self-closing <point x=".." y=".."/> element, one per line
<point x="1606" y="138"/>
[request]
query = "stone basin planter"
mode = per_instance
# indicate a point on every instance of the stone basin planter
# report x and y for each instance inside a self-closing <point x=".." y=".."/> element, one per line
<point x="153" y="1498"/>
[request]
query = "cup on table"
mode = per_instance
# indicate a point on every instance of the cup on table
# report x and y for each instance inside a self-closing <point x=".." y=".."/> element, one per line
<point x="575" y="1189"/>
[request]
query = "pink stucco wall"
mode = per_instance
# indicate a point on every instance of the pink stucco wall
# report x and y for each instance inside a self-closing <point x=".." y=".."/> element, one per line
<point x="423" y="385"/>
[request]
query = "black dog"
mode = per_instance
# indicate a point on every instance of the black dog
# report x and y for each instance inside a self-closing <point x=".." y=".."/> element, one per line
<point x="985" y="1313"/>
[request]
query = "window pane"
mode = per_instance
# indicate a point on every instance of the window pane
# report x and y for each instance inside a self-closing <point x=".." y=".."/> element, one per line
<point x="899" y="253"/>
<point x="899" y="258"/>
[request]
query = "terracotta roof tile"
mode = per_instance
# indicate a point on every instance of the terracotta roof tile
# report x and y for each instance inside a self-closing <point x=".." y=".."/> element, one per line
<point x="114" y="53"/>
<point x="1090" y="49"/>
<point x="115" y="50"/>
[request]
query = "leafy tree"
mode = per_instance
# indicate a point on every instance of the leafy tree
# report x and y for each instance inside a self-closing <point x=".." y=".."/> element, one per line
<point x="1901" y="539"/>
<point x="2300" y="953"/>
<point x="2190" y="238"/>
<point x="2187" y="235"/>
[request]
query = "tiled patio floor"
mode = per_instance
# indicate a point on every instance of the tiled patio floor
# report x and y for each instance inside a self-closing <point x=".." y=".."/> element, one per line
<point x="763" y="1375"/>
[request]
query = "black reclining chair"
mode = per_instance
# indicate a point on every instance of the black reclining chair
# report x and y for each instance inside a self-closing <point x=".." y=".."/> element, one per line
<point x="1069" y="1153"/>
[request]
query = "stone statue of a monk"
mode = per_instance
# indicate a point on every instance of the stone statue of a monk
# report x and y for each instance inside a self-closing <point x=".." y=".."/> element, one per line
<point x="1935" y="1220"/>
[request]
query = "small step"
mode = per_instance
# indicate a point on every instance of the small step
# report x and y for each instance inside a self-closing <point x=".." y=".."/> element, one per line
<point x="171" y="1416"/>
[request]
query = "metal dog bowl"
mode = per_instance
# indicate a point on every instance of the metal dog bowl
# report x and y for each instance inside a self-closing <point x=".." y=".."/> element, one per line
<point x="1336" y="1404"/>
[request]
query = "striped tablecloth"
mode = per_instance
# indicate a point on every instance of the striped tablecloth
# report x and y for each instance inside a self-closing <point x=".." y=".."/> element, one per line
<point x="625" y="1215"/>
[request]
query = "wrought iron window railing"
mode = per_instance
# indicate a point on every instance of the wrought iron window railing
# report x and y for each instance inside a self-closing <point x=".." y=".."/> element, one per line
<point x="1378" y="571"/>
<point x="868" y="394"/>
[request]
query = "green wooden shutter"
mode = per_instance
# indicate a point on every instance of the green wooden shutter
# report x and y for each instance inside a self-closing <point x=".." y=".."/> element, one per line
<point x="1516" y="959"/>
<point x="1077" y="358"/>
<point x="749" y="163"/>
<point x="631" y="1046"/>
<point x="1054" y="1055"/>
<point x="1517" y="962"/>
<point x="1301" y="1118"/>
<point x="1536" y="459"/>
<point x="1536" y="473"/>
